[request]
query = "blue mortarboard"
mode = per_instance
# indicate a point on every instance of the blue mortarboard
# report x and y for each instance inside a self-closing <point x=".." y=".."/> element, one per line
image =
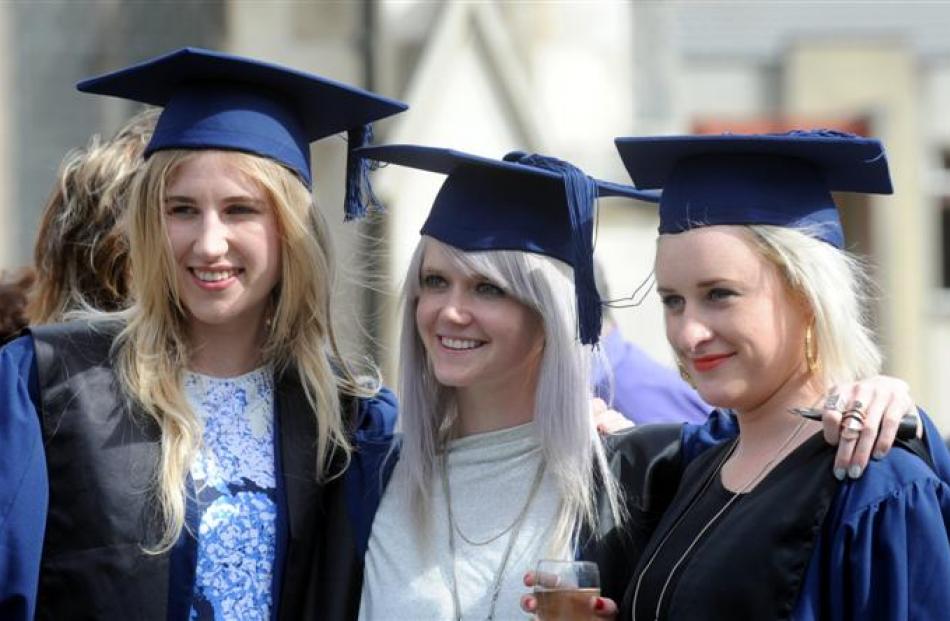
<point x="523" y="202"/>
<point x="219" y="101"/>
<point x="779" y="179"/>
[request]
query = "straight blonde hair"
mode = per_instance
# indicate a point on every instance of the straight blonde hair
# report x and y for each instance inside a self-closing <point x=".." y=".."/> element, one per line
<point x="152" y="351"/>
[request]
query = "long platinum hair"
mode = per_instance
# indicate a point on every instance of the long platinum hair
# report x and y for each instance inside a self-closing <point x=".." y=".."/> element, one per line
<point x="562" y="416"/>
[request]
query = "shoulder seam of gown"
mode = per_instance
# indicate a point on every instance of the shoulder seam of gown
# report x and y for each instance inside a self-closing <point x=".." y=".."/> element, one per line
<point x="895" y="492"/>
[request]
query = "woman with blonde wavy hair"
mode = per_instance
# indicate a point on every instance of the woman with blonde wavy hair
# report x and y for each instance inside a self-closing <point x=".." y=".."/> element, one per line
<point x="81" y="251"/>
<point x="186" y="452"/>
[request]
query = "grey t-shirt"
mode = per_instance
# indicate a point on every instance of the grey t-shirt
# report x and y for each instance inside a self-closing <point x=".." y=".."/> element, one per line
<point x="409" y="572"/>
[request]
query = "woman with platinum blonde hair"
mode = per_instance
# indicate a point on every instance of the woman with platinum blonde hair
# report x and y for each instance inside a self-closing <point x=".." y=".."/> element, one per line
<point x="562" y="404"/>
<point x="500" y="463"/>
<point x="765" y="313"/>
<point x="183" y="458"/>
<point x="500" y="312"/>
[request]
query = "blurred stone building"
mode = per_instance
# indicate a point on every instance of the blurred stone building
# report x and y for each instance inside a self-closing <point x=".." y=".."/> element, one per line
<point x="561" y="78"/>
<point x="565" y="78"/>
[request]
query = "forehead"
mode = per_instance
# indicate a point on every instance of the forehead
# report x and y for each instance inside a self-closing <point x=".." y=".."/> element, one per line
<point x="439" y="257"/>
<point x="708" y="253"/>
<point x="213" y="169"/>
<point x="435" y="254"/>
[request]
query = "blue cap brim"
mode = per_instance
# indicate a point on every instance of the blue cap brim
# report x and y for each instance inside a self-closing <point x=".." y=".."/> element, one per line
<point x="214" y="100"/>
<point x="525" y="202"/>
<point x="324" y="106"/>
<point x="847" y="163"/>
<point x="444" y="161"/>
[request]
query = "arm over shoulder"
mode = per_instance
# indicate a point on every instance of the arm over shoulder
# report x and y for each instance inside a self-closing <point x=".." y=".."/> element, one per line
<point x="24" y="488"/>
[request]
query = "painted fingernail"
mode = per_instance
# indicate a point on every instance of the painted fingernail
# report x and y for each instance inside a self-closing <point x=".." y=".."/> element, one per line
<point x="599" y="604"/>
<point x="839" y="473"/>
<point x="878" y="455"/>
<point x="855" y="471"/>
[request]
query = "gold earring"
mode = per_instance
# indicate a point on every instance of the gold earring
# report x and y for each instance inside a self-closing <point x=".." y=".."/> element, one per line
<point x="684" y="373"/>
<point x="811" y="351"/>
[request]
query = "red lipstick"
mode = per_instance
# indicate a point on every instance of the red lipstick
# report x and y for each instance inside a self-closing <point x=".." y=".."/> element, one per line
<point x="708" y="363"/>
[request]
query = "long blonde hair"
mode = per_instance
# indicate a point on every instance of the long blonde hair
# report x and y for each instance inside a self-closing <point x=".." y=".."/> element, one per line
<point x="81" y="252"/>
<point x="569" y="440"/>
<point x="152" y="351"/>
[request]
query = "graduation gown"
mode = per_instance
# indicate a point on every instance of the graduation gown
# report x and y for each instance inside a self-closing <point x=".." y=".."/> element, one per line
<point x="803" y="546"/>
<point x="648" y="463"/>
<point x="883" y="551"/>
<point x="315" y="557"/>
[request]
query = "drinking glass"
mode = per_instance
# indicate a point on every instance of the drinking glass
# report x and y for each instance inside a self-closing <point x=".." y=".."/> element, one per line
<point x="564" y="588"/>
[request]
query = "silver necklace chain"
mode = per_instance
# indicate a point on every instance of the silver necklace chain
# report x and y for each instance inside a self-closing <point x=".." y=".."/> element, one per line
<point x="539" y="472"/>
<point x="735" y="496"/>
<point x="515" y="528"/>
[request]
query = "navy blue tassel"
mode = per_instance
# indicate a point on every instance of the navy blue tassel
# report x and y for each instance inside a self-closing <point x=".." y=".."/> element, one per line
<point x="581" y="192"/>
<point x="359" y="192"/>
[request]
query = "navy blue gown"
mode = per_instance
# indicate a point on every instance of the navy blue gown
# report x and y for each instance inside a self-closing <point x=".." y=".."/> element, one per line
<point x="24" y="487"/>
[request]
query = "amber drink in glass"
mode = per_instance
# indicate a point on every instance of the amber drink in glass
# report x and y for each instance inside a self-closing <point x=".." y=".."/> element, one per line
<point x="564" y="590"/>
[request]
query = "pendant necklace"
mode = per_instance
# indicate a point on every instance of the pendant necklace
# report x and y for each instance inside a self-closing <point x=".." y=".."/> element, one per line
<point x="514" y="528"/>
<point x="702" y="531"/>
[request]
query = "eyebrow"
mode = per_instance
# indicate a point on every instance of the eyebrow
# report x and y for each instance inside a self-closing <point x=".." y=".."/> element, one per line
<point x="429" y="269"/>
<point x="242" y="198"/>
<point x="703" y="284"/>
<point x="712" y="282"/>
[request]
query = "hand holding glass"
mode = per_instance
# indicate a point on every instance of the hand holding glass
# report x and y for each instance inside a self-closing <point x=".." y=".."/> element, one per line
<point x="564" y="589"/>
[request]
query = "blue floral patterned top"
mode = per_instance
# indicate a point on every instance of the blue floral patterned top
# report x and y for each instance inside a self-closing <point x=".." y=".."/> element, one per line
<point x="234" y="475"/>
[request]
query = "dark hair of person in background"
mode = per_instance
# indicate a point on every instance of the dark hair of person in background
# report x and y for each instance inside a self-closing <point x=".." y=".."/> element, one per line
<point x="13" y="292"/>
<point x="81" y="252"/>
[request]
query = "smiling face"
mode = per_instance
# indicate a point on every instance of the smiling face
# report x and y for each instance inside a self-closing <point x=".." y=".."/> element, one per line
<point x="475" y="334"/>
<point x="224" y="239"/>
<point x="730" y="316"/>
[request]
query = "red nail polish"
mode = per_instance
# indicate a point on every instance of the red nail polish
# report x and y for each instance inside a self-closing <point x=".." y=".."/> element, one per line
<point x="599" y="604"/>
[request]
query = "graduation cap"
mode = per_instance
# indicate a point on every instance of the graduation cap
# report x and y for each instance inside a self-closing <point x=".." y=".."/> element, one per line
<point x="778" y="179"/>
<point x="523" y="202"/>
<point x="214" y="100"/>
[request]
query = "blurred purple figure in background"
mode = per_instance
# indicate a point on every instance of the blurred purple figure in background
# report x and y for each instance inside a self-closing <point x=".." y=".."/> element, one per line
<point x="641" y="389"/>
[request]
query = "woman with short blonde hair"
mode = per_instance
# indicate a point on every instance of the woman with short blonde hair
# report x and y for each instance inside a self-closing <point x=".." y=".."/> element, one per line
<point x="766" y="312"/>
